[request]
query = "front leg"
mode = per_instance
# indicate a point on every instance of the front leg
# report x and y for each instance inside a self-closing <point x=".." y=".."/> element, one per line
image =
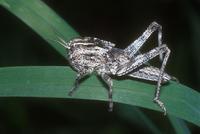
<point x="76" y="83"/>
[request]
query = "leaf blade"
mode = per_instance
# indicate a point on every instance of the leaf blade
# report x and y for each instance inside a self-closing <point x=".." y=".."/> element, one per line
<point x="179" y="125"/>
<point x="54" y="82"/>
<point x="134" y="114"/>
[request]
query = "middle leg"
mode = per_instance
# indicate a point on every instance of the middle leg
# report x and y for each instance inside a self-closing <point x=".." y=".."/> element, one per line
<point x="107" y="79"/>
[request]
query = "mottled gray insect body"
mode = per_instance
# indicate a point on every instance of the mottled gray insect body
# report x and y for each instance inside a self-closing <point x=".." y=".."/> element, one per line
<point x="88" y="54"/>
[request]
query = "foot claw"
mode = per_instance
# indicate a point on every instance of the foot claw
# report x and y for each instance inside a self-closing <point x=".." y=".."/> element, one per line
<point x="161" y="105"/>
<point x="110" y="109"/>
<point x="70" y="93"/>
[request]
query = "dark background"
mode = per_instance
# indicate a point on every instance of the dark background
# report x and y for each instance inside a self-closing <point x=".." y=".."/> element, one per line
<point x="120" y="22"/>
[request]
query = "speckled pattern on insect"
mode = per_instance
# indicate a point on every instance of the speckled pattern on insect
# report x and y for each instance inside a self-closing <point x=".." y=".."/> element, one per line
<point x="88" y="54"/>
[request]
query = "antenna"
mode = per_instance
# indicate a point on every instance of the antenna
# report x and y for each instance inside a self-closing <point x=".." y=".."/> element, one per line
<point x="62" y="42"/>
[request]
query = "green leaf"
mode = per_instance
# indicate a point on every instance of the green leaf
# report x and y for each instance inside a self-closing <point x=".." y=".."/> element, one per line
<point x="55" y="82"/>
<point x="127" y="112"/>
<point x="179" y="125"/>
<point x="42" y="20"/>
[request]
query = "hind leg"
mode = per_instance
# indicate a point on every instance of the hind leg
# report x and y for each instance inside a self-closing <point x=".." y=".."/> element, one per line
<point x="150" y="73"/>
<point x="140" y="60"/>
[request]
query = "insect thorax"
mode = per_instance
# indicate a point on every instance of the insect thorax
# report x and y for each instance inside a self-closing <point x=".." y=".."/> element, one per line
<point x="87" y="55"/>
<point x="92" y="54"/>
